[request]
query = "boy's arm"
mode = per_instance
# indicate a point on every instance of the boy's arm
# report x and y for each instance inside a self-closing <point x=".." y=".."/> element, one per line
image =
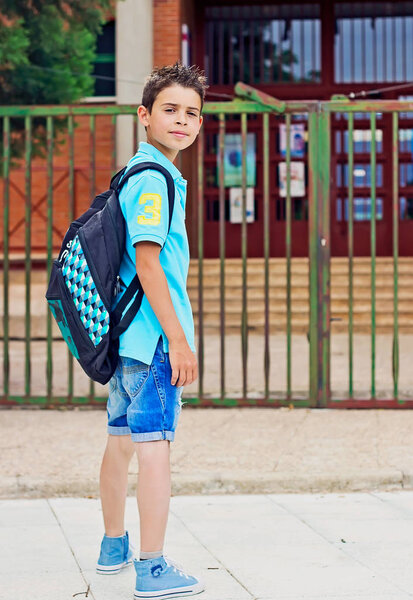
<point x="155" y="287"/>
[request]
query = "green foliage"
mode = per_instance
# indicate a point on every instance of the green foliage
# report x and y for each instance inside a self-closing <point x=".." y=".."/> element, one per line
<point x="47" y="50"/>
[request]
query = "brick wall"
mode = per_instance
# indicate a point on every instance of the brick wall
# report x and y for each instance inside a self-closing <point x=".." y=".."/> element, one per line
<point x="61" y="199"/>
<point x="167" y="32"/>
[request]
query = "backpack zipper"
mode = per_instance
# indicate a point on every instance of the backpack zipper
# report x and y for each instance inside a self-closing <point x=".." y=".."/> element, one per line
<point x="109" y="207"/>
<point x="92" y="269"/>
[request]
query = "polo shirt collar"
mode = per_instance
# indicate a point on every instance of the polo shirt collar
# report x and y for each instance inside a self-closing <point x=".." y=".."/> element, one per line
<point x="147" y="148"/>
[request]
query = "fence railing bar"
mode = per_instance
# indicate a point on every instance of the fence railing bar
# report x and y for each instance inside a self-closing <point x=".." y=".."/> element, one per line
<point x="373" y="217"/>
<point x="49" y="364"/>
<point x="114" y="149"/>
<point x="222" y="224"/>
<point x="395" y="346"/>
<point x="92" y="126"/>
<point x="350" y="217"/>
<point x="325" y="251"/>
<point x="200" y="264"/>
<point x="71" y="211"/>
<point x="313" y="252"/>
<point x="288" y="249"/>
<point x="64" y="111"/>
<point x="266" y="202"/>
<point x="244" y="252"/>
<point x="6" y="223"/>
<point x="299" y="107"/>
<point x="27" y="247"/>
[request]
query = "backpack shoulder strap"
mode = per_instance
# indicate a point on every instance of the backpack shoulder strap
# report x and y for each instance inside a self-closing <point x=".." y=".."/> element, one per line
<point x="122" y="323"/>
<point x="114" y="182"/>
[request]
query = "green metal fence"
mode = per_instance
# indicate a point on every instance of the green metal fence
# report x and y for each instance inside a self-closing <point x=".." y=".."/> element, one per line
<point x="247" y="103"/>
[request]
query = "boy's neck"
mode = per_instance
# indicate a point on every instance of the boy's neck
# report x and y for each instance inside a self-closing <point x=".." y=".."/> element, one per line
<point x="170" y="154"/>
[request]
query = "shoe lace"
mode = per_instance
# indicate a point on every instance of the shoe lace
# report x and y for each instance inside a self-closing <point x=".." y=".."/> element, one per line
<point x="178" y="568"/>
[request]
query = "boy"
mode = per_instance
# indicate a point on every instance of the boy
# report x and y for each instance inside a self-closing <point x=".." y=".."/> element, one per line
<point x="157" y="352"/>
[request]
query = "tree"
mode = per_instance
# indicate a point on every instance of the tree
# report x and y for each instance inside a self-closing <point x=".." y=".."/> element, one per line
<point x="47" y="50"/>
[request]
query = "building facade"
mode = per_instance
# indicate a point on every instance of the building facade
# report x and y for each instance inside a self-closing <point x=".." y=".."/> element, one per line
<point x="290" y="50"/>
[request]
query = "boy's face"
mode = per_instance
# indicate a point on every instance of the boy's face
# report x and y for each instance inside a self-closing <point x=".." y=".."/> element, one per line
<point x="175" y="120"/>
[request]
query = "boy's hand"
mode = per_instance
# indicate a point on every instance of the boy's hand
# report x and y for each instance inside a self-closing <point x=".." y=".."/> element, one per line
<point x="183" y="362"/>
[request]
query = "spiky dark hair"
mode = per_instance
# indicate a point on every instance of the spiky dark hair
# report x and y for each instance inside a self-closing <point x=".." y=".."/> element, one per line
<point x="162" y="77"/>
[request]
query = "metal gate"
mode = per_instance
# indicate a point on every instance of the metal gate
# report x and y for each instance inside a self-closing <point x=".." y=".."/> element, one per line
<point x="226" y="361"/>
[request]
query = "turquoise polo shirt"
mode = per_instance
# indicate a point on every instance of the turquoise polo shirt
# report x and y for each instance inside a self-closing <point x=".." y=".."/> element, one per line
<point x="144" y="204"/>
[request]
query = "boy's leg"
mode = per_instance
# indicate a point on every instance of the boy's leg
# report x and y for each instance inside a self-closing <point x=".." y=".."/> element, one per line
<point x="153" y="493"/>
<point x="114" y="482"/>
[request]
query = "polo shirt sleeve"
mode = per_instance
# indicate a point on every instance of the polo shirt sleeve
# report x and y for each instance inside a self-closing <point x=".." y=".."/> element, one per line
<point x="145" y="207"/>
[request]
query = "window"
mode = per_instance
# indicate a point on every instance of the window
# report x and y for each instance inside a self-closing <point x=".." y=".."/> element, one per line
<point x="361" y="175"/>
<point x="361" y="209"/>
<point x="104" y="67"/>
<point x="361" y="141"/>
<point x="373" y="42"/>
<point x="263" y="44"/>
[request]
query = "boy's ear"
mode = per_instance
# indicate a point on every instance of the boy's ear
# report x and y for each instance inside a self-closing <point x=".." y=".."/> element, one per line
<point x="143" y="115"/>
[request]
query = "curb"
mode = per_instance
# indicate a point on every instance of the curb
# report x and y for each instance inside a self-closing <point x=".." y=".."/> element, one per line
<point x="223" y="483"/>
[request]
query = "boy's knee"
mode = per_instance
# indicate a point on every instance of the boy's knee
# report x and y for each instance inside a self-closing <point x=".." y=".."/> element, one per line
<point x="122" y="444"/>
<point x="149" y="452"/>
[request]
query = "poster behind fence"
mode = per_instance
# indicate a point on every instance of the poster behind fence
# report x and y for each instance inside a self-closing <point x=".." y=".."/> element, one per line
<point x="235" y="205"/>
<point x="233" y="160"/>
<point x="297" y="179"/>
<point x="297" y="140"/>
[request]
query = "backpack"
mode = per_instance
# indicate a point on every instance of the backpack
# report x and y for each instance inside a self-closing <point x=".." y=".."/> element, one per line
<point x="84" y="279"/>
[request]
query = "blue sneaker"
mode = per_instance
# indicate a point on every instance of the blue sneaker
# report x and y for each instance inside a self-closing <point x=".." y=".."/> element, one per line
<point x="115" y="554"/>
<point x="163" y="578"/>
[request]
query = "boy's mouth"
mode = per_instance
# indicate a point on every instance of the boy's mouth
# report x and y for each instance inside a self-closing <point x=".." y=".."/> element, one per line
<point x="179" y="134"/>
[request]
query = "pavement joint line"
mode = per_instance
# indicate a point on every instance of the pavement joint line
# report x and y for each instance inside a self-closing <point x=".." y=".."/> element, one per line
<point x="404" y="513"/>
<point x="343" y="549"/>
<point x="88" y="592"/>
<point x="213" y="555"/>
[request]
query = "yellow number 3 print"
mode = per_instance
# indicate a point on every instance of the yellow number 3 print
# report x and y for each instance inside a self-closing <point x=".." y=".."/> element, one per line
<point x="153" y="209"/>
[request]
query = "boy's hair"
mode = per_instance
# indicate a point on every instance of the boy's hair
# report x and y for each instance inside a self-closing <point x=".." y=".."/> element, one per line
<point x="162" y="77"/>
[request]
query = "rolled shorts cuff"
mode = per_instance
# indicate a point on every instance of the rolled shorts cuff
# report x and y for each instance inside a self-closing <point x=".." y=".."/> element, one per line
<point x="153" y="436"/>
<point x="118" y="430"/>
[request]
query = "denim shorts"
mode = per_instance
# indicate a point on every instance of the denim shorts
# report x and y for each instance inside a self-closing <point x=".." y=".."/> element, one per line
<point x="142" y="401"/>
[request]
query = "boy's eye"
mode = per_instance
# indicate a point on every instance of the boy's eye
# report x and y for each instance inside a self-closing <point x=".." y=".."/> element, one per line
<point x="172" y="109"/>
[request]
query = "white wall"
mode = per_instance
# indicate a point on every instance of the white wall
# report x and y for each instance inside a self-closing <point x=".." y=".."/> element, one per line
<point x="134" y="61"/>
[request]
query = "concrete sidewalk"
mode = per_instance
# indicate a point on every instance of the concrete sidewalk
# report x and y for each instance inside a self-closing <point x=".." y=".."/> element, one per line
<point x="232" y="450"/>
<point x="244" y="547"/>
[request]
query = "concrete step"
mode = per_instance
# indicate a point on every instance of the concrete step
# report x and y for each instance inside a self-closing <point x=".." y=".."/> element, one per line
<point x="279" y="293"/>
<point x="384" y="265"/>
<point x="298" y="279"/>
<point x="255" y="295"/>
<point x="302" y="306"/>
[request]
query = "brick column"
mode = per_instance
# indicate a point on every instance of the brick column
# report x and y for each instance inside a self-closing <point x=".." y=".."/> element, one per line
<point x="166" y="32"/>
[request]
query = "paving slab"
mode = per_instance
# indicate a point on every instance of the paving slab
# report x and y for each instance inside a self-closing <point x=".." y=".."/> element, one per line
<point x="35" y="560"/>
<point x="245" y="547"/>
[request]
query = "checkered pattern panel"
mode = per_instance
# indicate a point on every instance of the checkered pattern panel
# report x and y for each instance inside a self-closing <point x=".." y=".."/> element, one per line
<point x="92" y="311"/>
